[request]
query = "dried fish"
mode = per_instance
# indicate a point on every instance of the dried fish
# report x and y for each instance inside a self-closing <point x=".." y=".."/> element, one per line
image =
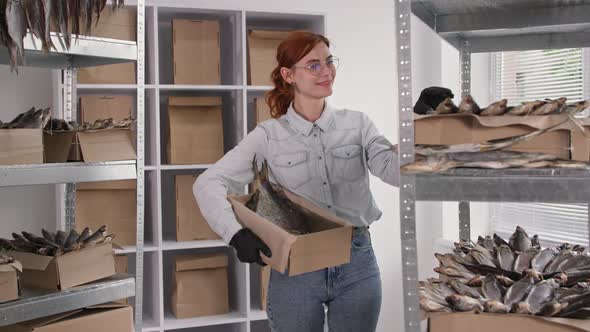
<point x="17" y="29"/>
<point x="270" y="202"/>
<point x="48" y="235"/>
<point x="492" y="289"/>
<point x="518" y="291"/>
<point x="496" y="307"/>
<point x="463" y="289"/>
<point x="520" y="241"/>
<point x="71" y="239"/>
<point x="505" y="257"/>
<point x="432" y="306"/>
<point x="553" y="106"/>
<point x="447" y="106"/>
<point x="544" y="257"/>
<point x="464" y="303"/>
<point x="525" y="108"/>
<point x="468" y="105"/>
<point x="497" y="108"/>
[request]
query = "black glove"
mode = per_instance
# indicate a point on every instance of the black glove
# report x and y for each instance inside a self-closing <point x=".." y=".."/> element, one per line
<point x="430" y="98"/>
<point x="248" y="246"/>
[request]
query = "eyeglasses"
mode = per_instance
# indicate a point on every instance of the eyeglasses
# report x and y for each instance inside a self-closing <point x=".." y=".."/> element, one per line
<point x="316" y="67"/>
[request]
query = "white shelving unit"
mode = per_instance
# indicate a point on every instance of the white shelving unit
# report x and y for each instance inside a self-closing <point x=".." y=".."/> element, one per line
<point x="238" y="113"/>
<point x="478" y="26"/>
<point x="85" y="51"/>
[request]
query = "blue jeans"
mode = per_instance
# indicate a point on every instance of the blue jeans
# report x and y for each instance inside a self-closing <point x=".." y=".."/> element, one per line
<point x="351" y="292"/>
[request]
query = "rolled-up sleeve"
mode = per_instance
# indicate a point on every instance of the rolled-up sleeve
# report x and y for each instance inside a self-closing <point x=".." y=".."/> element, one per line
<point x="228" y="175"/>
<point x="381" y="155"/>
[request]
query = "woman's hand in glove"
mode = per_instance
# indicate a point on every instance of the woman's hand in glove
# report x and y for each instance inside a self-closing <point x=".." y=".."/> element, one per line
<point x="248" y="246"/>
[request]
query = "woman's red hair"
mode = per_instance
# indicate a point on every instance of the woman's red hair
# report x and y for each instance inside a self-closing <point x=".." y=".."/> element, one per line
<point x="290" y="51"/>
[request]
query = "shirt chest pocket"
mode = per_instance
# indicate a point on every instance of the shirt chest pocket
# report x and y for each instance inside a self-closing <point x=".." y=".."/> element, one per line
<point x="293" y="168"/>
<point x="347" y="162"/>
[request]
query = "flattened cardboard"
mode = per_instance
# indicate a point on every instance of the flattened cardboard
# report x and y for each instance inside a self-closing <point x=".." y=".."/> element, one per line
<point x="9" y="281"/>
<point x="103" y="107"/>
<point x="112" y="201"/>
<point x="327" y="246"/>
<point x="195" y="130"/>
<point x="200" y="286"/>
<point x="486" y="322"/>
<point x="469" y="128"/>
<point x="67" y="270"/>
<point x="119" y="73"/>
<point x="116" y="24"/>
<point x="262" y="110"/>
<point x="196" y="52"/>
<point x="57" y="145"/>
<point x="106" y="145"/>
<point x="21" y="146"/>
<point x="190" y="223"/>
<point x="262" y="51"/>
<point x="92" y="319"/>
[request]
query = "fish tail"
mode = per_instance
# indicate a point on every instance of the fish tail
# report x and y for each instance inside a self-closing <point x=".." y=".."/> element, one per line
<point x="264" y="171"/>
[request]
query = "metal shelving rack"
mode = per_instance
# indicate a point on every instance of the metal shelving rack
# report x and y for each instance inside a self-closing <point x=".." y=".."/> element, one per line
<point x="85" y="51"/>
<point x="477" y="26"/>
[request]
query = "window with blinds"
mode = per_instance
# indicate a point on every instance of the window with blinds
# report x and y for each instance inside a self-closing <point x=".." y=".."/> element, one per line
<point x="531" y="75"/>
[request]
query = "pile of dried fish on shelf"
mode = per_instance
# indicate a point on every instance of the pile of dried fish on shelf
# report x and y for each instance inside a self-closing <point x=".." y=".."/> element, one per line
<point x="98" y="124"/>
<point x="518" y="276"/>
<point x="54" y="244"/>
<point x="537" y="107"/>
<point x="5" y="259"/>
<point x="490" y="154"/>
<point x="33" y="118"/>
<point x="38" y="16"/>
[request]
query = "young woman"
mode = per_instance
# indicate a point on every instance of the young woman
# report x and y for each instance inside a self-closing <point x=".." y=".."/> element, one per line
<point x="322" y="153"/>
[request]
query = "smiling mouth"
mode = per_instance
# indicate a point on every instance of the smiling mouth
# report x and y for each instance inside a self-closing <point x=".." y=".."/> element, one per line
<point x="324" y="83"/>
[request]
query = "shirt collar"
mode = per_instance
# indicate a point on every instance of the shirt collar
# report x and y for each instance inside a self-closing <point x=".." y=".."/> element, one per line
<point x="304" y="126"/>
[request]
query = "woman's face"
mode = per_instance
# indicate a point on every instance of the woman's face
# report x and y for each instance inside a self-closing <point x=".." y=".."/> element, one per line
<point x="313" y="76"/>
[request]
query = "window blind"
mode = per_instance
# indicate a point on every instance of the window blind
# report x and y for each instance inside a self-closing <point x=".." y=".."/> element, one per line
<point x="531" y="75"/>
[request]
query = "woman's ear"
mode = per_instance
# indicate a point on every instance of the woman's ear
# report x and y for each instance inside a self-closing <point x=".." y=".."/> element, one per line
<point x="287" y="75"/>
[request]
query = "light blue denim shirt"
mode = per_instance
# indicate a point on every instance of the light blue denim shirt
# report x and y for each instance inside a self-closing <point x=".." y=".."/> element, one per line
<point x="326" y="162"/>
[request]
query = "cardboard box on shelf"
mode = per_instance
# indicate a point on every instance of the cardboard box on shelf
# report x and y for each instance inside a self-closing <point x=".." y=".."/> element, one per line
<point x="105" y="317"/>
<point x="580" y="142"/>
<point x="21" y="146"/>
<point x="262" y="110"/>
<point x="122" y="266"/>
<point x="190" y="224"/>
<point x="113" y="24"/>
<point x="200" y="285"/>
<point x="103" y="145"/>
<point x="67" y="270"/>
<point x="58" y="145"/>
<point x="486" y="322"/>
<point x="468" y="128"/>
<point x="264" y="281"/>
<point x="109" y="202"/>
<point x="9" y="281"/>
<point x="117" y="107"/>
<point x="327" y="245"/>
<point x="196" y="52"/>
<point x="195" y="130"/>
<point x="262" y="51"/>
<point x="119" y="73"/>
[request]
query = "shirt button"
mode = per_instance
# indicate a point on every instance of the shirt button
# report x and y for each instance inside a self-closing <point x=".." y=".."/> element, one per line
<point x="320" y="157"/>
<point x="315" y="135"/>
<point x="325" y="183"/>
<point x="329" y="206"/>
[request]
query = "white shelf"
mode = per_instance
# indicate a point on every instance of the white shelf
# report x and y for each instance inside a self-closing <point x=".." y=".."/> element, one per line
<point x="259" y="88"/>
<point x="258" y="315"/>
<point x="100" y="87"/>
<point x="184" y="167"/>
<point x="84" y="52"/>
<point x="173" y="245"/>
<point x="149" y="325"/>
<point x="180" y="87"/>
<point x="171" y="323"/>
<point x="22" y="175"/>
<point x="133" y="249"/>
<point x="37" y="303"/>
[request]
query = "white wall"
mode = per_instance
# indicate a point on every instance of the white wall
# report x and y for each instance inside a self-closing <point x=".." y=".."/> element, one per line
<point x="25" y="208"/>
